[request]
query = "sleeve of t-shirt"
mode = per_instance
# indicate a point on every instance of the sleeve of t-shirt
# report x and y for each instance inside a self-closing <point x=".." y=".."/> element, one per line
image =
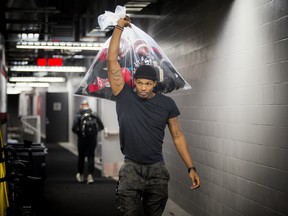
<point x="122" y="94"/>
<point x="174" y="111"/>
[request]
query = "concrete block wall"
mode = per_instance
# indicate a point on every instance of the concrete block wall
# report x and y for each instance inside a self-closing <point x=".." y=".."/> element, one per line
<point x="235" y="117"/>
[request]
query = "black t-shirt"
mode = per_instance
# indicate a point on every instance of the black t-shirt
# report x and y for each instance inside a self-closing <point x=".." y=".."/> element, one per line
<point x="142" y="124"/>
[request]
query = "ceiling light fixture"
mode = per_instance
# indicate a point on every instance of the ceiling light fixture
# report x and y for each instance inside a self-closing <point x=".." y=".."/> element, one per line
<point x="18" y="90"/>
<point x="29" y="84"/>
<point x="19" y="62"/>
<point x="29" y="36"/>
<point x="37" y="79"/>
<point x="59" y="45"/>
<point x="47" y="68"/>
<point x="134" y="9"/>
<point x="137" y="4"/>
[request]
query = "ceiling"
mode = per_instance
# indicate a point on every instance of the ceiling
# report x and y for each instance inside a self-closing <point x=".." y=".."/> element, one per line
<point x="57" y="21"/>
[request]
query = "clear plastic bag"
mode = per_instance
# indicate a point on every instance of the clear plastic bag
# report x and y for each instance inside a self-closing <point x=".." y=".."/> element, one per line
<point x="136" y="48"/>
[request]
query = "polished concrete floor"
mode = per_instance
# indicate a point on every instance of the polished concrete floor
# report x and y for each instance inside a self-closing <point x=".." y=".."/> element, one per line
<point x="172" y="209"/>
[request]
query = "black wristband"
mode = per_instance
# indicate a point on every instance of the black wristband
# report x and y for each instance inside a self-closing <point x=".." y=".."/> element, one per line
<point x="119" y="27"/>
<point x="190" y="168"/>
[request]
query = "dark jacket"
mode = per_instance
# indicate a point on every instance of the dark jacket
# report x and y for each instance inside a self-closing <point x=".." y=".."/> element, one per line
<point x="77" y="121"/>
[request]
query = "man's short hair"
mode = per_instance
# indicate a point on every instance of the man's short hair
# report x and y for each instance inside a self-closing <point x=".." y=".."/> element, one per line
<point x="146" y="72"/>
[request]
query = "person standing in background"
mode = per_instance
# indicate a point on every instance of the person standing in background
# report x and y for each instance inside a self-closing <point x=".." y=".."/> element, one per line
<point x="86" y="125"/>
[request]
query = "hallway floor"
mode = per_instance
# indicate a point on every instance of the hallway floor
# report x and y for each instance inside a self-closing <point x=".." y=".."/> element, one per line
<point x="63" y="195"/>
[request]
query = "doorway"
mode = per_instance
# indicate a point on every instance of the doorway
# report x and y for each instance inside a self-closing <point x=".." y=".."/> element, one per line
<point x="57" y="117"/>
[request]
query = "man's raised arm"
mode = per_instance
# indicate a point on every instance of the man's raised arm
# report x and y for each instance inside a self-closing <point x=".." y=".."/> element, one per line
<point x="114" y="69"/>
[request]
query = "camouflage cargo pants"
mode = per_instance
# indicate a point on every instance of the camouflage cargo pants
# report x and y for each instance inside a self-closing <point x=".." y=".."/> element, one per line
<point x="142" y="184"/>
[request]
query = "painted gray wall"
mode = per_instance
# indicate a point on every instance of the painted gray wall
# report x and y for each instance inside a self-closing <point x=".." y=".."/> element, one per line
<point x="234" y="55"/>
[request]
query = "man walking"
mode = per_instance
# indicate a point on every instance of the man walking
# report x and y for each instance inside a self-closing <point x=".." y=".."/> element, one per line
<point x="143" y="116"/>
<point x="86" y="125"/>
